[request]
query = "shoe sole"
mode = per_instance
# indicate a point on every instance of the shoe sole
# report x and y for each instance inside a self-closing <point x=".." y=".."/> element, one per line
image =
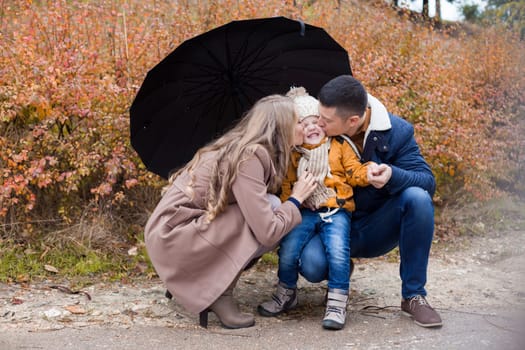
<point x="203" y="321"/>
<point x="332" y="325"/>
<point x="263" y="312"/>
<point x="238" y="326"/>
<point x="425" y="325"/>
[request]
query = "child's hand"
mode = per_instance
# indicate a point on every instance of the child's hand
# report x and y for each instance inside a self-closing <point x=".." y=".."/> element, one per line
<point x="371" y="169"/>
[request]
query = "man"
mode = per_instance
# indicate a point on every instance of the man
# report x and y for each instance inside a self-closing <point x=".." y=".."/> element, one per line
<point x="397" y="209"/>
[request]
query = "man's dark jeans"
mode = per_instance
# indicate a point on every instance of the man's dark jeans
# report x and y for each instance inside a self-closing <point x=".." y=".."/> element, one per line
<point x="406" y="220"/>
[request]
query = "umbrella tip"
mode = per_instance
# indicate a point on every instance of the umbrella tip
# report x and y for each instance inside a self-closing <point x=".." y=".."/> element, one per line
<point x="302" y="27"/>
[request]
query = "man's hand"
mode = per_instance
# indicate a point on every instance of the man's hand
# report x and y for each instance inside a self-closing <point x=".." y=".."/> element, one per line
<point x="378" y="175"/>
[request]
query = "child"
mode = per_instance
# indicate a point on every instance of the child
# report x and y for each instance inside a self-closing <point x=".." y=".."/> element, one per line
<point x="326" y="212"/>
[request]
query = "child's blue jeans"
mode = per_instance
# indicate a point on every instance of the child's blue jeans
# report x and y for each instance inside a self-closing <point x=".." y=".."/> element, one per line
<point x="333" y="232"/>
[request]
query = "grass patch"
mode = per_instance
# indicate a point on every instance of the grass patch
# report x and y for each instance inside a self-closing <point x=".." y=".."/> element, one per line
<point x="83" y="261"/>
<point x="25" y="263"/>
<point x="270" y="258"/>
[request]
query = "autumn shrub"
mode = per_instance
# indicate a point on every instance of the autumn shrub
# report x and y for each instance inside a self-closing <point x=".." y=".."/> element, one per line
<point x="68" y="76"/>
<point x="69" y="71"/>
<point x="461" y="93"/>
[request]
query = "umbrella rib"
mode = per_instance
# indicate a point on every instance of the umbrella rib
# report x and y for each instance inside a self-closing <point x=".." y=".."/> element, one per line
<point x="260" y="48"/>
<point x="213" y="56"/>
<point x="251" y="67"/>
<point x="250" y="61"/>
<point x="218" y="105"/>
<point x="205" y="67"/>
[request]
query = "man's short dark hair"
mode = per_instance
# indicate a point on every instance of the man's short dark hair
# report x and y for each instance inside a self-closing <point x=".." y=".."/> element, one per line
<point x="346" y="94"/>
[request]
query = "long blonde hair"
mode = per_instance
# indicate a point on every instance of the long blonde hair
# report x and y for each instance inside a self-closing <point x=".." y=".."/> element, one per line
<point x="269" y="123"/>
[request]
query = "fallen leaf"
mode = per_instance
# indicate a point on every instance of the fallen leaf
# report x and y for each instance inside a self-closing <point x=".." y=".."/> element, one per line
<point x="50" y="268"/>
<point x="16" y="301"/>
<point x="75" y="309"/>
<point x="65" y="289"/>
<point x="133" y="251"/>
<point x="140" y="268"/>
<point x="22" y="278"/>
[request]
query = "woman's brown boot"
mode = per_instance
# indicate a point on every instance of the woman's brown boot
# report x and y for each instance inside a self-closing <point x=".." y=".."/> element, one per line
<point x="227" y="310"/>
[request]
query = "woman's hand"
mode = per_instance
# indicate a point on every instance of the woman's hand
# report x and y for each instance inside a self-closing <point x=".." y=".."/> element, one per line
<point x="304" y="186"/>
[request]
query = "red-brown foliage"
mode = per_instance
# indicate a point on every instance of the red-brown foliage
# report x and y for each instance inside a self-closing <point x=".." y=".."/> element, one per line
<point x="69" y="71"/>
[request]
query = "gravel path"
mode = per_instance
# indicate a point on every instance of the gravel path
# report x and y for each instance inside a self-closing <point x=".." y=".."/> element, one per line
<point x="478" y="286"/>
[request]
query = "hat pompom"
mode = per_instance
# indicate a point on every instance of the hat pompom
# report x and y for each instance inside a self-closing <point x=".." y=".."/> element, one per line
<point x="296" y="92"/>
<point x="305" y="104"/>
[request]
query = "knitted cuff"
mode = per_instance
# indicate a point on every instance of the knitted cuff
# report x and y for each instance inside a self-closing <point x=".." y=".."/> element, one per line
<point x="294" y="201"/>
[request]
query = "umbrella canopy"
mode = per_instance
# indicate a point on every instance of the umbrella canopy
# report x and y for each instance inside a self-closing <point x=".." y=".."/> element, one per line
<point x="207" y="83"/>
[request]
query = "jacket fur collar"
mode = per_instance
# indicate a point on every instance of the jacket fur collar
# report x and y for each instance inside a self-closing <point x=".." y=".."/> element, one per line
<point x="379" y="119"/>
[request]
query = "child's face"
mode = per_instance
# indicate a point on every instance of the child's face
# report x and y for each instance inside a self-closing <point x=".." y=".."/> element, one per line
<point x="313" y="134"/>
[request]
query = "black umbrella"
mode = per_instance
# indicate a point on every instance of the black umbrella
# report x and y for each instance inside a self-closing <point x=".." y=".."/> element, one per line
<point x="209" y="81"/>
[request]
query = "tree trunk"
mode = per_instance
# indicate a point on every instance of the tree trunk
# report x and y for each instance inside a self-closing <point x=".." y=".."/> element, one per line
<point x="425" y="9"/>
<point x="438" y="10"/>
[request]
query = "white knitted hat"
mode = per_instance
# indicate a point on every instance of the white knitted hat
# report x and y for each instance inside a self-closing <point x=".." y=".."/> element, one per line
<point x="305" y="105"/>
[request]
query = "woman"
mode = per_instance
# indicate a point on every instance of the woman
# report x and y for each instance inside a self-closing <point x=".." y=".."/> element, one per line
<point x="215" y="215"/>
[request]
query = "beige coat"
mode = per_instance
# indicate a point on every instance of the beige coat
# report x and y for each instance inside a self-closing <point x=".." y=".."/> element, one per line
<point x="198" y="261"/>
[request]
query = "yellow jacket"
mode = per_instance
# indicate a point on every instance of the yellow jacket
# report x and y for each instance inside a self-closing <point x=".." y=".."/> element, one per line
<point x="346" y="170"/>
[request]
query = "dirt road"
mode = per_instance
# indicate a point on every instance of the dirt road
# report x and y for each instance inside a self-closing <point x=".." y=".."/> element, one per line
<point x="478" y="286"/>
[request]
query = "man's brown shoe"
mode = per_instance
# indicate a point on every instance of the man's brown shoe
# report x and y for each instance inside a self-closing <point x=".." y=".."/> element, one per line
<point x="420" y="310"/>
